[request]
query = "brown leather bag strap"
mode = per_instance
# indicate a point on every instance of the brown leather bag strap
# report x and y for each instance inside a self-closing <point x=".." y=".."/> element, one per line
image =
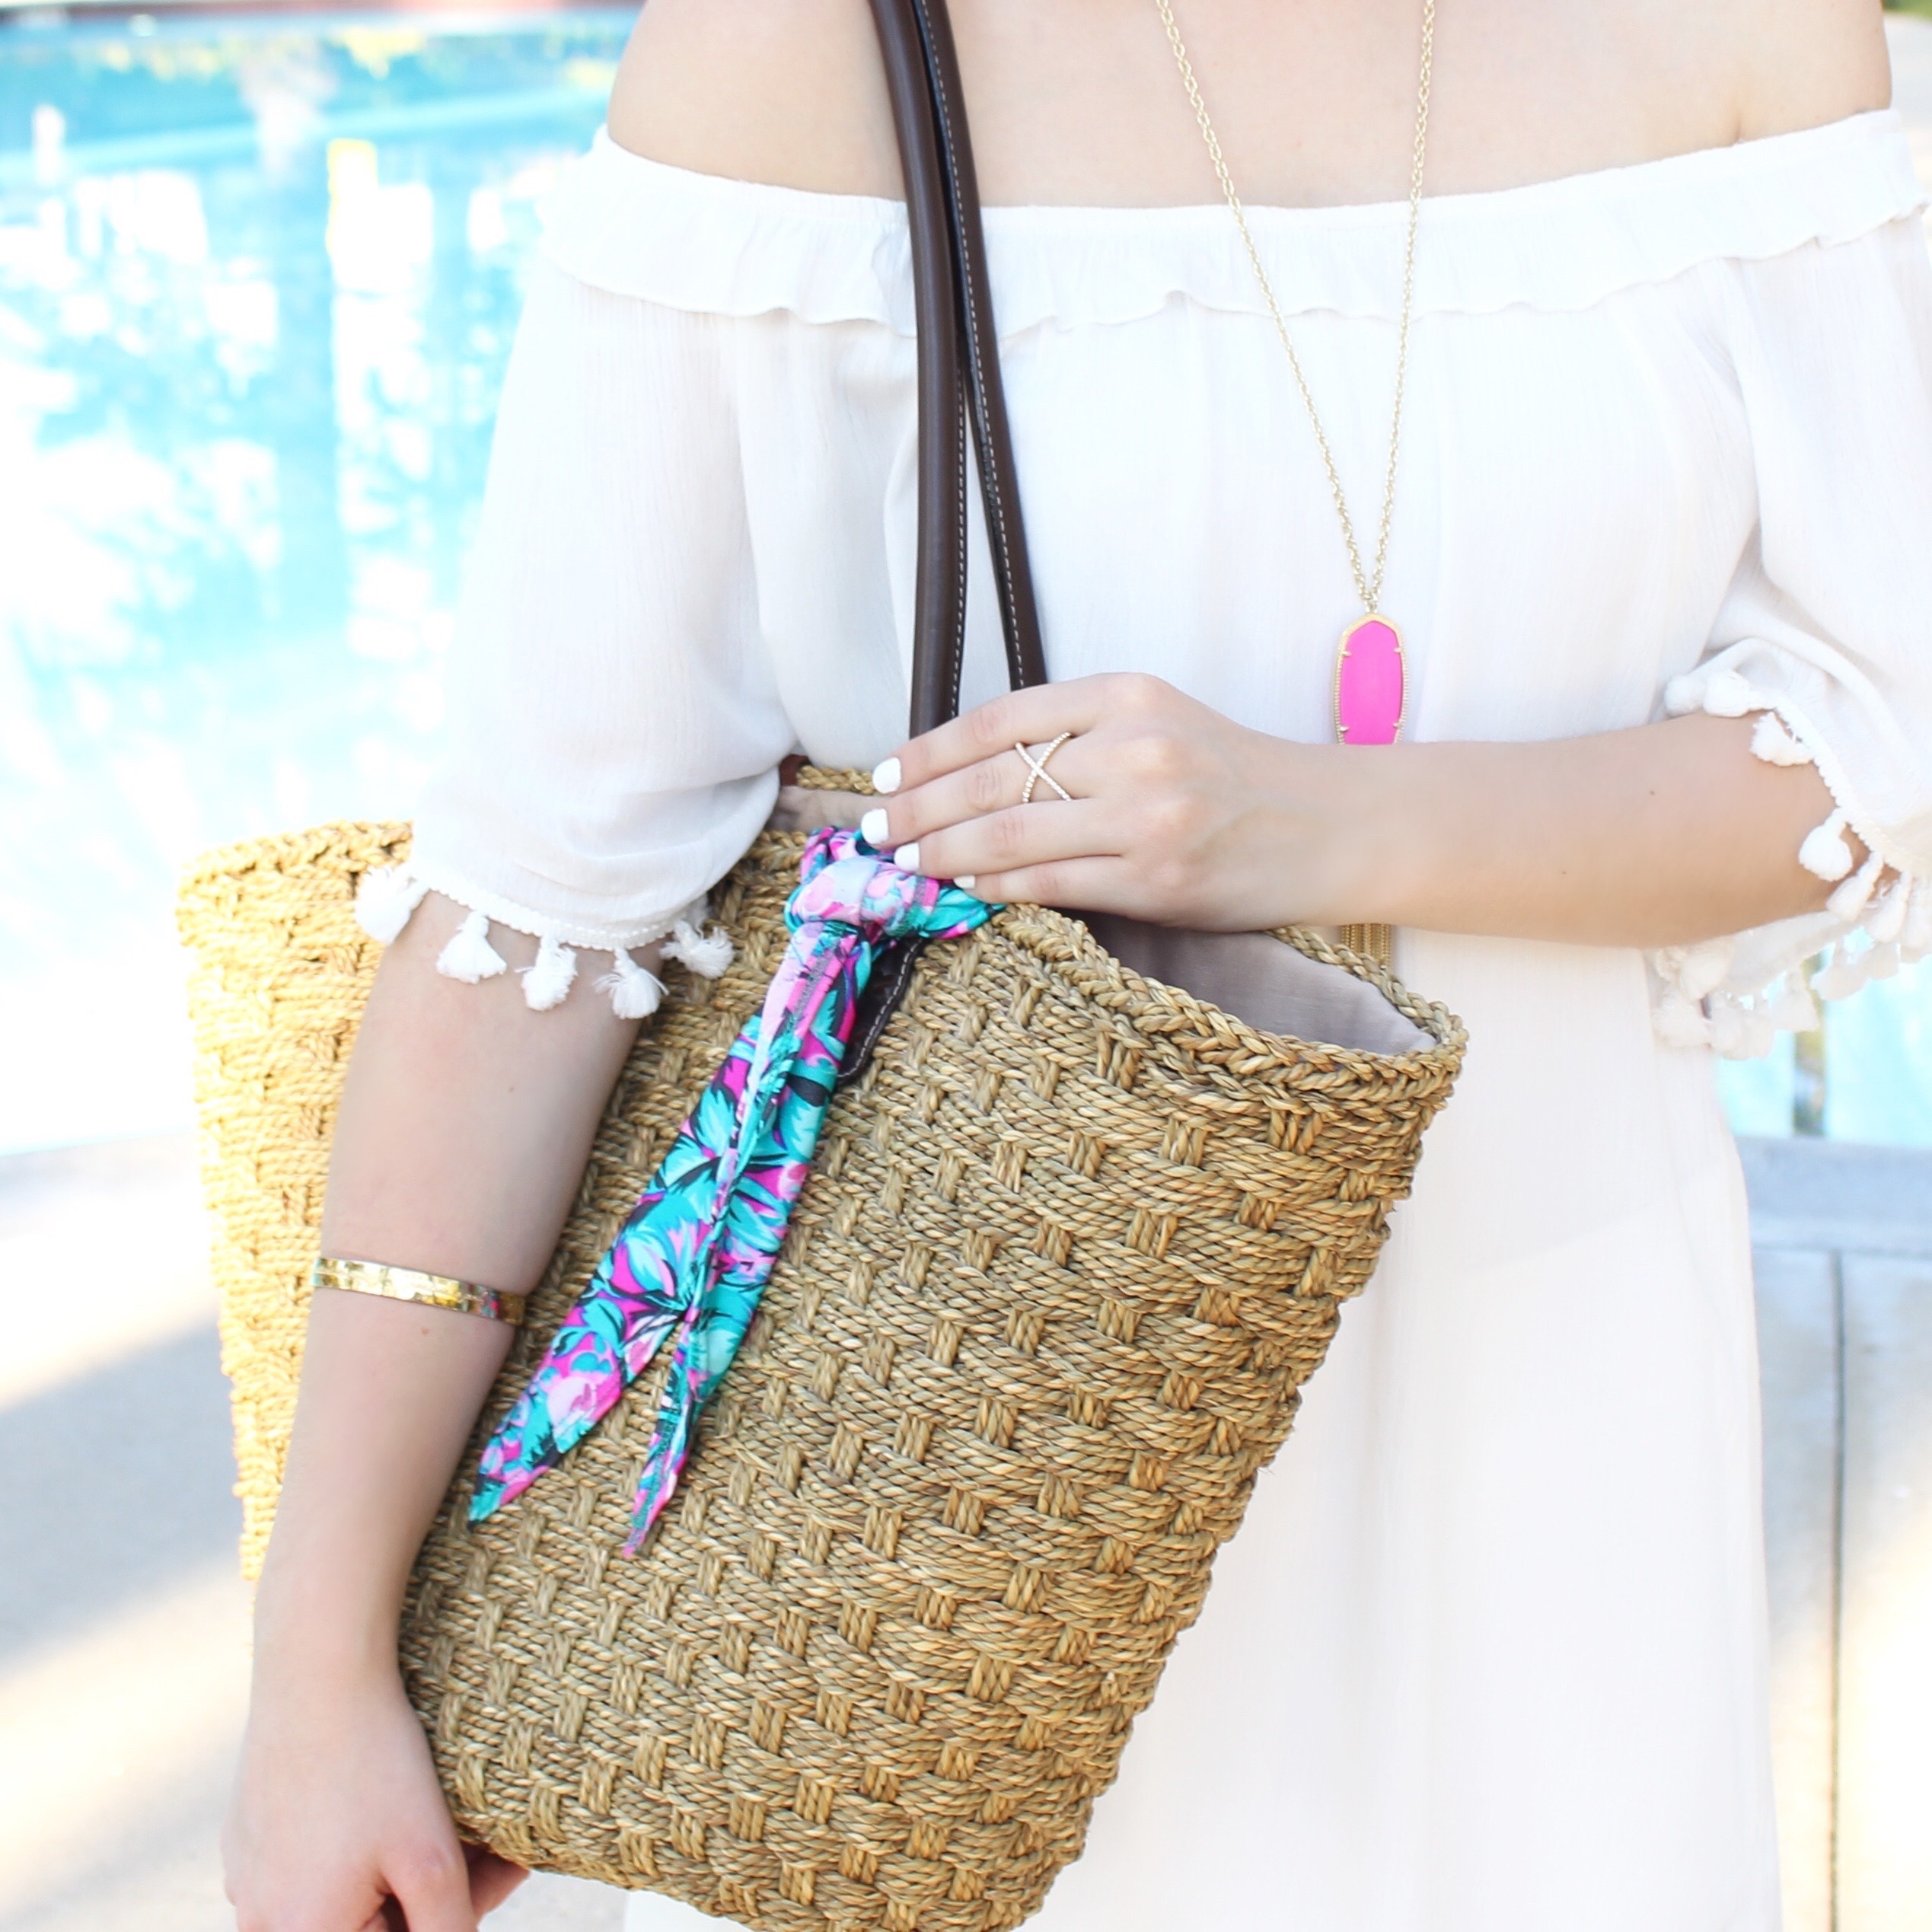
<point x="939" y="599"/>
<point x="959" y="368"/>
<point x="980" y="354"/>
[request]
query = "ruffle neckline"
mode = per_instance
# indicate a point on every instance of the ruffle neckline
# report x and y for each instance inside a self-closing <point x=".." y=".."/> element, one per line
<point x="711" y="245"/>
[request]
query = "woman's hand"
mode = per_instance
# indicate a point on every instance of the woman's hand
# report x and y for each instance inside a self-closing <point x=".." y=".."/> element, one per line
<point x="1659" y="835"/>
<point x="1176" y="815"/>
<point x="338" y="1823"/>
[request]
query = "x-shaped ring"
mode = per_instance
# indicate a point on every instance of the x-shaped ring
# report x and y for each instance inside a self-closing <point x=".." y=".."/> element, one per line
<point x="1036" y="769"/>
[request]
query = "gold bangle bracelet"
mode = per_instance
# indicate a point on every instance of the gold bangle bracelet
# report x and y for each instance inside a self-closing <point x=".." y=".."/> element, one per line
<point x="411" y="1285"/>
<point x="1371" y="942"/>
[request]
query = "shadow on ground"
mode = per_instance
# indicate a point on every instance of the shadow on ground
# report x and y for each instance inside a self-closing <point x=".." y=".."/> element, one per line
<point x="129" y="1485"/>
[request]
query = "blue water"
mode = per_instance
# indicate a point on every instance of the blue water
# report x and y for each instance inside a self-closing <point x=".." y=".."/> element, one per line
<point x="256" y="287"/>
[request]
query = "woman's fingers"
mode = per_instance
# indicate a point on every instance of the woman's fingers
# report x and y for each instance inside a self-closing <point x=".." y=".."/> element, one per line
<point x="492" y="1879"/>
<point x="994" y="784"/>
<point x="1005" y="842"/>
<point x="433" y="1887"/>
<point x="1036" y="715"/>
<point x="1074" y="884"/>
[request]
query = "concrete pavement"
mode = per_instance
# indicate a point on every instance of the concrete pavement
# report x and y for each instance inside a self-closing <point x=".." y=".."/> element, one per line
<point x="123" y="1625"/>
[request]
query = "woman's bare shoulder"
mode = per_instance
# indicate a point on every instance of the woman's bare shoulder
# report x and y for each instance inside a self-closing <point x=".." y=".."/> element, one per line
<point x="785" y="91"/>
<point x="1807" y="62"/>
<point x="791" y="92"/>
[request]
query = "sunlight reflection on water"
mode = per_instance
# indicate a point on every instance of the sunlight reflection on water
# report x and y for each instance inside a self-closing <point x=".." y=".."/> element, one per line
<point x="256" y="288"/>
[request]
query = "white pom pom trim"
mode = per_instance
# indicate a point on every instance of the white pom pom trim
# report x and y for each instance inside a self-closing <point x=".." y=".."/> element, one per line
<point x="1886" y="922"/>
<point x="1680" y="1022"/>
<point x="1700" y="1002"/>
<point x="469" y="956"/>
<point x="1702" y="968"/>
<point x="1842" y="977"/>
<point x="1772" y="743"/>
<point x="1729" y="1037"/>
<point x="1852" y="897"/>
<point x="1727" y="695"/>
<point x="1855" y="893"/>
<point x="708" y="955"/>
<point x="635" y="994"/>
<point x="1684" y="694"/>
<point x="546" y="980"/>
<point x="1825" y="853"/>
<point x="385" y="899"/>
<point x="1794" y="1010"/>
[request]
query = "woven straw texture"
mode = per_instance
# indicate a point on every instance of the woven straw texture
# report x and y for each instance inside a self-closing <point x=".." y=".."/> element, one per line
<point x="1072" y="1243"/>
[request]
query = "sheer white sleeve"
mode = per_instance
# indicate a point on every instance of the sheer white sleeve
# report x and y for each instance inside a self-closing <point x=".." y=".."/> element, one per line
<point x="1826" y="634"/>
<point x="614" y="727"/>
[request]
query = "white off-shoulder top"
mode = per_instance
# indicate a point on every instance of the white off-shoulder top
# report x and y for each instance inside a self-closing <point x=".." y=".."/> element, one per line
<point x="1669" y="444"/>
<point x="1489" y="1653"/>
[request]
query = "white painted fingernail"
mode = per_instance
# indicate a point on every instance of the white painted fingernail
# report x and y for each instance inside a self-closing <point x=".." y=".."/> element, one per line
<point x="907" y="857"/>
<point x="968" y="880"/>
<point x="871" y="828"/>
<point x="885" y="777"/>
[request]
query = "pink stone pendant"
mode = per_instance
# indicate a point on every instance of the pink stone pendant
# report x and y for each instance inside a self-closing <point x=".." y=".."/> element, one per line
<point x="1371" y="683"/>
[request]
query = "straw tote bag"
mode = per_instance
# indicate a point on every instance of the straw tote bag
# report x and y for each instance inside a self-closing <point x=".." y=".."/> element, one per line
<point x="1073" y="1240"/>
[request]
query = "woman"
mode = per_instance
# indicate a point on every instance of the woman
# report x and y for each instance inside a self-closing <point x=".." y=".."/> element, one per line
<point x="1489" y="1651"/>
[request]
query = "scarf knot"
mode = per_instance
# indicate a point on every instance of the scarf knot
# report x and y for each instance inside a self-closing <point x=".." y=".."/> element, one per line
<point x="843" y="882"/>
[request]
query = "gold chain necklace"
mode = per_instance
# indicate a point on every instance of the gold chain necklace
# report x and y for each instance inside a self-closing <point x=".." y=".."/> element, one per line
<point x="1371" y="685"/>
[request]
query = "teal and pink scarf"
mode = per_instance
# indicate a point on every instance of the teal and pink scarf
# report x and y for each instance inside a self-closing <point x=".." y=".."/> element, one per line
<point x="693" y="1260"/>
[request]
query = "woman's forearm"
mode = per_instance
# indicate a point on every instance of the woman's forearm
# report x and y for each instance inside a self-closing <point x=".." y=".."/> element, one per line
<point x="1658" y="835"/>
<point x="389" y="1393"/>
<point x="465" y="1125"/>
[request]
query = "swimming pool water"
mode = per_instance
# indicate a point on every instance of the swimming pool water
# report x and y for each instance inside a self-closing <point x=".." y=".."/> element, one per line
<point x="257" y="283"/>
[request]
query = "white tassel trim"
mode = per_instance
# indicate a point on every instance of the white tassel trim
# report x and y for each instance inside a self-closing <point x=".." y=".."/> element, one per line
<point x="1727" y="695"/>
<point x="546" y="980"/>
<point x="1719" y="694"/>
<point x="1707" y="999"/>
<point x="1733" y="1035"/>
<point x="1842" y="977"/>
<point x="1852" y="897"/>
<point x="635" y="994"/>
<point x="469" y="956"/>
<point x="1794" y="1010"/>
<point x="1702" y="969"/>
<point x="388" y="897"/>
<point x="1774" y="745"/>
<point x="1679" y="1021"/>
<point x="385" y="900"/>
<point x="1700" y="1005"/>
<point x="708" y="955"/>
<point x="1886" y="920"/>
<point x="1825" y="853"/>
<point x="1685" y="694"/>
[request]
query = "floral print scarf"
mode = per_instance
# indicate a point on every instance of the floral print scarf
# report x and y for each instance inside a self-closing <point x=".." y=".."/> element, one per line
<point x="693" y="1259"/>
